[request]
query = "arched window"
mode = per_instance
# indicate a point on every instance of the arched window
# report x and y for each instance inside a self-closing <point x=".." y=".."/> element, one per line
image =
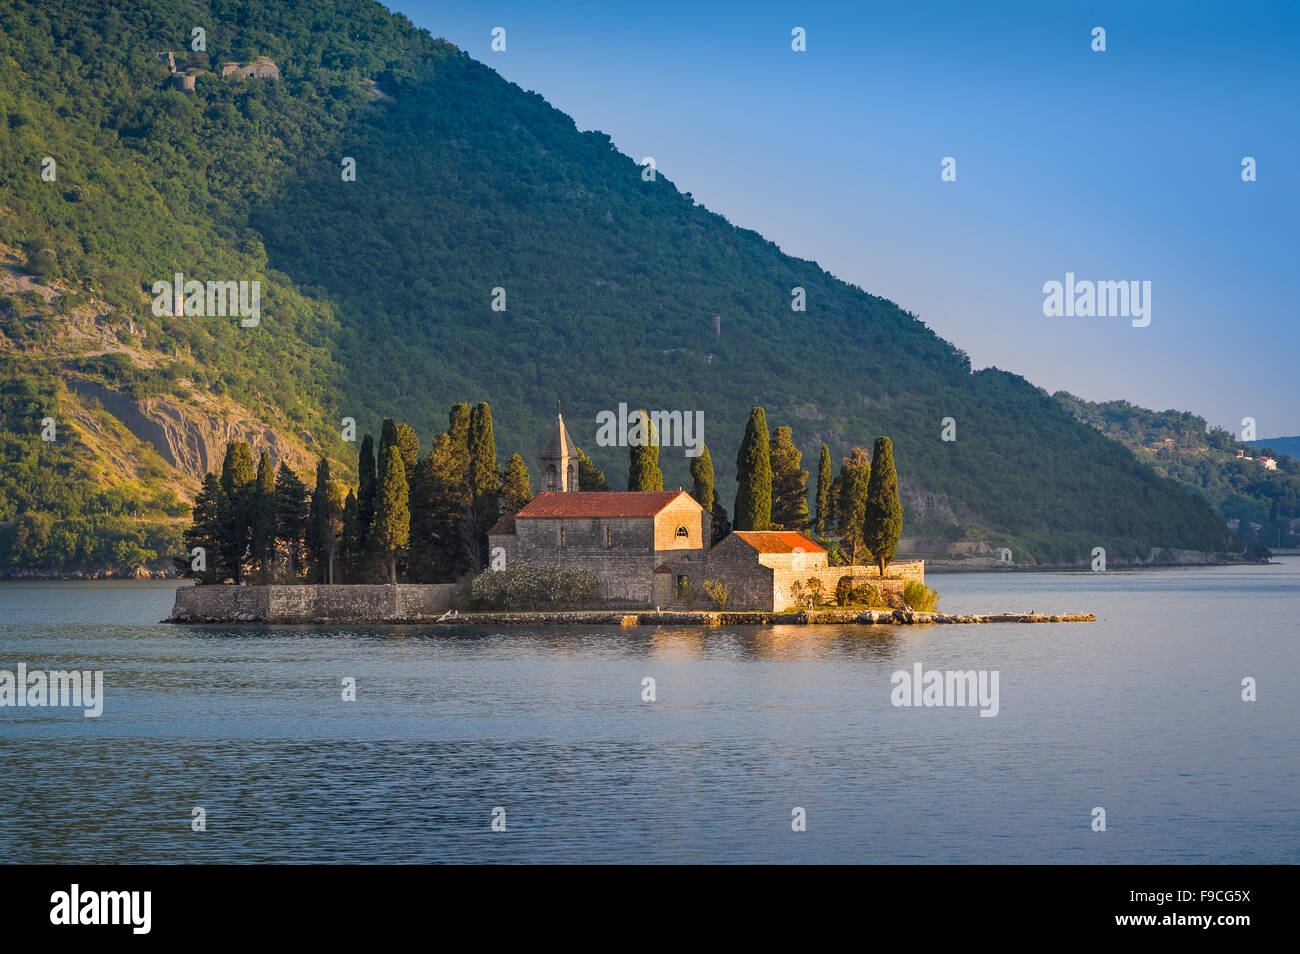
<point x="609" y="537"/>
<point x="683" y="533"/>
<point x="550" y="477"/>
<point x="561" y="536"/>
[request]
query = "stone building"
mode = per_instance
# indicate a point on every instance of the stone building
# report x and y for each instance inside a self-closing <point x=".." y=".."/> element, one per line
<point x="621" y="537"/>
<point x="651" y="548"/>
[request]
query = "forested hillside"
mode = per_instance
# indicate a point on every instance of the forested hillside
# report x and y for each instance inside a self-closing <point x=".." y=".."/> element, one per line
<point x="1183" y="447"/>
<point x="377" y="292"/>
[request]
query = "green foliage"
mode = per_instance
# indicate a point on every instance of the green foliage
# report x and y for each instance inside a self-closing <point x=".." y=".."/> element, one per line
<point x="717" y="591"/>
<point x="393" y="518"/>
<point x="920" y="597"/>
<point x="292" y="507"/>
<point x="643" y="471"/>
<point x="824" y="514"/>
<point x="855" y="476"/>
<point x="236" y="507"/>
<point x="789" y="483"/>
<point x="516" y="488"/>
<point x="702" y="478"/>
<point x="528" y="586"/>
<point x="589" y="478"/>
<point x="882" y="517"/>
<point x="754" y="475"/>
<point x="467" y="182"/>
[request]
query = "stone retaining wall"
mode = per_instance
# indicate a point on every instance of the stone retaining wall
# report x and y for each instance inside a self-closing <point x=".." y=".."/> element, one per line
<point x="305" y="603"/>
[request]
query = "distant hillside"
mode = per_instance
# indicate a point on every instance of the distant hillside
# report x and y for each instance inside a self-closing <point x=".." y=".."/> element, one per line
<point x="1279" y="445"/>
<point x="377" y="293"/>
<point x="1183" y="447"/>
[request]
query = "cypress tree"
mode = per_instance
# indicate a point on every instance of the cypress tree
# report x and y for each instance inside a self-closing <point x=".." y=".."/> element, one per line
<point x="350" y="544"/>
<point x="367" y="487"/>
<point x="721" y="525"/>
<point x="291" y="512"/>
<point x="204" y="532"/>
<point x="234" y="507"/>
<point x="589" y="478"/>
<point x="484" y="486"/>
<point x="855" y="473"/>
<point x="262" y="520"/>
<point x="754" y="476"/>
<point x="824" y="491"/>
<point x="702" y="478"/>
<point x="516" y="488"/>
<point x="323" y="525"/>
<point x="643" y="471"/>
<point x="392" y="526"/>
<point x="458" y="448"/>
<point x="882" y="522"/>
<point x="789" y="483"/>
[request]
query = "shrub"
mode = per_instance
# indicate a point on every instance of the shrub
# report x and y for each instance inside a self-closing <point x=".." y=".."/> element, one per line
<point x="844" y="591"/>
<point x="920" y="597"/>
<point x="869" y="594"/>
<point x="718" y="592"/>
<point x="526" y="586"/>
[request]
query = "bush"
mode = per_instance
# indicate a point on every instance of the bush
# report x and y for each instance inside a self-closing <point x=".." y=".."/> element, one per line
<point x="718" y="592"/>
<point x="920" y="597"/>
<point x="527" y="586"/>
<point x="869" y="594"/>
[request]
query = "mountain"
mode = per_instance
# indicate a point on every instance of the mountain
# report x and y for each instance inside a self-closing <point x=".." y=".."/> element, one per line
<point x="377" y="292"/>
<point x="1232" y="475"/>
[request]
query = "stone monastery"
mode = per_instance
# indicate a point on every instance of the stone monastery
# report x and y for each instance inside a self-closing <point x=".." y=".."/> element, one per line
<point x="651" y="549"/>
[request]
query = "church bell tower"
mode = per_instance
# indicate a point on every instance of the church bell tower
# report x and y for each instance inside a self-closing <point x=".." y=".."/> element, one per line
<point x="558" y="460"/>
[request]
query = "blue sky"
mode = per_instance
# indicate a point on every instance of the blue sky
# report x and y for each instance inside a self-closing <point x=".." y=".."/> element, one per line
<point x="1122" y="165"/>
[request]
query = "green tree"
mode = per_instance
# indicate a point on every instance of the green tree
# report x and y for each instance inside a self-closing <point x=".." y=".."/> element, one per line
<point x="402" y="436"/>
<point x="883" y="515"/>
<point x="789" y="483"/>
<point x="589" y="478"/>
<point x="721" y="525"/>
<point x="367" y="487"/>
<point x="855" y="473"/>
<point x="643" y="471"/>
<point x="291" y="512"/>
<point x="262" y="520"/>
<point x="484" y="486"/>
<point x="351" y="546"/>
<point x="754" y="476"/>
<point x="204" y="532"/>
<point x="702" y="478"/>
<point x="322" y="526"/>
<point x="824" y="481"/>
<point x="516" y="488"/>
<point x="235" y="504"/>
<point x="393" y="517"/>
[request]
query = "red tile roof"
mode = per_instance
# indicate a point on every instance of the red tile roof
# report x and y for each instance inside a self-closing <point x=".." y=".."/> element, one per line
<point x="777" y="541"/>
<point x="601" y="503"/>
<point x="505" y="525"/>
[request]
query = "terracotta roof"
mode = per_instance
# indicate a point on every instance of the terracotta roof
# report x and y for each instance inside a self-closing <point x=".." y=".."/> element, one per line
<point x="777" y="541"/>
<point x="601" y="503"/>
<point x="505" y="525"/>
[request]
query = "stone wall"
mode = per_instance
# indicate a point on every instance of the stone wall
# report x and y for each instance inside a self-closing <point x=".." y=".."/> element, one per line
<point x="311" y="603"/>
<point x="622" y="552"/>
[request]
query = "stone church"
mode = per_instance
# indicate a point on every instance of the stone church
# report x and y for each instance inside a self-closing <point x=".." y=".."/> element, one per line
<point x="651" y="548"/>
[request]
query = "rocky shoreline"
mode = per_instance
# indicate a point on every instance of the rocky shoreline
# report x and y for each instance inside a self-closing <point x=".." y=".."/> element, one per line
<point x="673" y="618"/>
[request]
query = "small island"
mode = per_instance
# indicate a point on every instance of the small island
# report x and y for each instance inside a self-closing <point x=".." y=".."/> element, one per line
<point x="449" y="538"/>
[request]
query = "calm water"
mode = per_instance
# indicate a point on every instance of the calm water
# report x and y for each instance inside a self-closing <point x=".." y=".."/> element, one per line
<point x="1139" y="713"/>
